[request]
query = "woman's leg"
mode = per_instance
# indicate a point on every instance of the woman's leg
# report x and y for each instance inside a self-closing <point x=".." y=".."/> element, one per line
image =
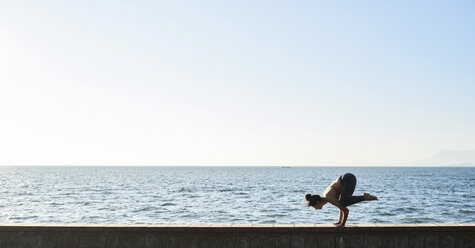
<point x="348" y="182"/>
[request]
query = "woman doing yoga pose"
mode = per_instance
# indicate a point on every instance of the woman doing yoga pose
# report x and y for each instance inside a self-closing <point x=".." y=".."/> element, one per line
<point x="340" y="195"/>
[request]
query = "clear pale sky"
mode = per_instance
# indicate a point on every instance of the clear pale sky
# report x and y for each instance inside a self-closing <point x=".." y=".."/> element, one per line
<point x="235" y="82"/>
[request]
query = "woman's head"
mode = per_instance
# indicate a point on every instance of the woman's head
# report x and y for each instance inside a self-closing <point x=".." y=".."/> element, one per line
<point x="313" y="201"/>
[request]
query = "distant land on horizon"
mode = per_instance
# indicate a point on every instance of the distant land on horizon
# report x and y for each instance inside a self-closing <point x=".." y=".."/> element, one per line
<point x="448" y="158"/>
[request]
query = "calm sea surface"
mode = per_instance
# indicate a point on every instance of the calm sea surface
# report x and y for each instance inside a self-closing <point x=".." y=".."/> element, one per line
<point x="244" y="195"/>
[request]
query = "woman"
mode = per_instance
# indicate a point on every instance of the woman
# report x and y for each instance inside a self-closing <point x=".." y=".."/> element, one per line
<point x="340" y="195"/>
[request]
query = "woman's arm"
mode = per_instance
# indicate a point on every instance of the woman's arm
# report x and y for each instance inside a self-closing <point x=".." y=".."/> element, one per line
<point x="340" y="219"/>
<point x="343" y="211"/>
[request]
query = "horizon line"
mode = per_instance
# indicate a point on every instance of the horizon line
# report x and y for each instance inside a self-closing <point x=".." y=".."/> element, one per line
<point x="229" y="165"/>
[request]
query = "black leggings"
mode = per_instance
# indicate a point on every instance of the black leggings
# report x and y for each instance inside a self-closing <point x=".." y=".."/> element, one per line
<point x="348" y="182"/>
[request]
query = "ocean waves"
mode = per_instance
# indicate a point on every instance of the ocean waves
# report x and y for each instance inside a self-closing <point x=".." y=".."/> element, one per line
<point x="248" y="195"/>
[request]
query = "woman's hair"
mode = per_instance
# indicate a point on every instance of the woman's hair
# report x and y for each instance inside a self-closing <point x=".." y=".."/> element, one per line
<point x="312" y="199"/>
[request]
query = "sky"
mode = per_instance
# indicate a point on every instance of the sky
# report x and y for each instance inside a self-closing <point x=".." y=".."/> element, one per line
<point x="235" y="82"/>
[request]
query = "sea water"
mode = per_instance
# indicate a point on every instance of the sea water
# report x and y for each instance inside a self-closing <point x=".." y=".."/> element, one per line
<point x="233" y="195"/>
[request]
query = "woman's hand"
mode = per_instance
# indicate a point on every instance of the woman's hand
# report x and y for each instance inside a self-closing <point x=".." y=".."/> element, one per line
<point x="337" y="223"/>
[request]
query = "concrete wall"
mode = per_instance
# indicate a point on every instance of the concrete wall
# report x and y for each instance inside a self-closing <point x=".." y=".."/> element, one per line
<point x="236" y="236"/>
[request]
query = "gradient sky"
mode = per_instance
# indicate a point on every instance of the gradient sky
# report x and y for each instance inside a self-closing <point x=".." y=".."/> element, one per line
<point x="235" y="83"/>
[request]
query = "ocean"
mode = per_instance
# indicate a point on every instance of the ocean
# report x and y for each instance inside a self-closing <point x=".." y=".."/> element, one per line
<point x="232" y="195"/>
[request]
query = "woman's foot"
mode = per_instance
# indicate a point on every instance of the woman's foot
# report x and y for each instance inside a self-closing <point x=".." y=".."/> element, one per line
<point x="369" y="197"/>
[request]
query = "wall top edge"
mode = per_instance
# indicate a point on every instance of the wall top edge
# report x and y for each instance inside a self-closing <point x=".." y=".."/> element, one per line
<point x="233" y="227"/>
